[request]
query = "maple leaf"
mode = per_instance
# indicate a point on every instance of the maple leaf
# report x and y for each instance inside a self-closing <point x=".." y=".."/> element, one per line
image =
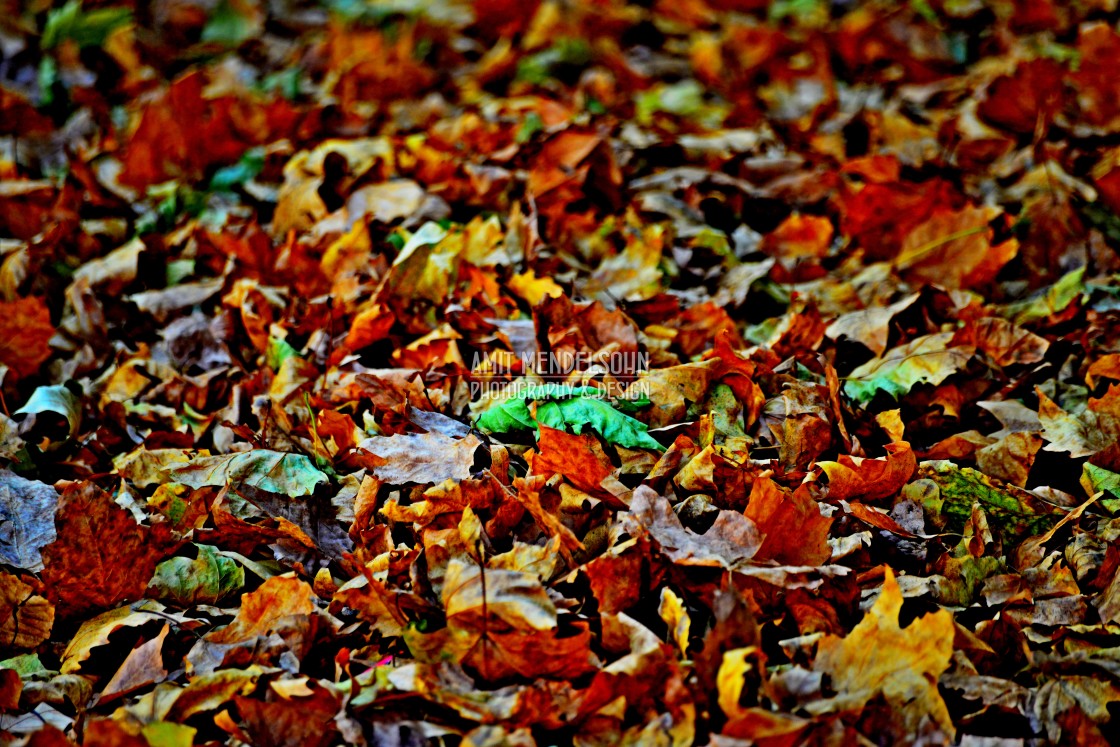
<point x="881" y="658"/>
<point x="83" y="570"/>
<point x="25" y="334"/>
<point x="871" y="479"/>
<point x="794" y="532"/>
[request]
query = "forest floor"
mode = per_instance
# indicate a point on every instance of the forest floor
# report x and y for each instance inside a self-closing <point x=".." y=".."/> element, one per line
<point x="545" y="372"/>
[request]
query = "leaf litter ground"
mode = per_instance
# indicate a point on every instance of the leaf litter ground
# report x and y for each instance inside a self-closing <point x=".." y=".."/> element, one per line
<point x="717" y="372"/>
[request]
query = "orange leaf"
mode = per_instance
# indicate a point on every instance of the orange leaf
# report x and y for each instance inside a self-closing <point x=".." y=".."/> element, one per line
<point x="580" y="458"/>
<point x="793" y="530"/>
<point x="25" y="334"/>
<point x="870" y="479"/>
<point x="799" y="236"/>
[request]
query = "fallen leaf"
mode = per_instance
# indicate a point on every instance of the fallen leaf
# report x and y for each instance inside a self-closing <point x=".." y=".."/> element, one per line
<point x="25" y="334"/>
<point x="929" y="359"/>
<point x="870" y="479"/>
<point x="27" y="509"/>
<point x="881" y="658"/>
<point x="272" y="471"/>
<point x="81" y="570"/>
<point x="794" y="532"/>
<point x="27" y="618"/>
<point x="731" y="540"/>
<point x="422" y="458"/>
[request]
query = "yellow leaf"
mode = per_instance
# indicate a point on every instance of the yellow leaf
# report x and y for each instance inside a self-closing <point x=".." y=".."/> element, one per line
<point x="672" y="611"/>
<point x="732" y="676"/>
<point x="533" y="289"/>
<point x="880" y="658"/>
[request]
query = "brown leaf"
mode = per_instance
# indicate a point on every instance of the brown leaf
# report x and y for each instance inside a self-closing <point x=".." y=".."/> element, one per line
<point x="954" y="249"/>
<point x="423" y="458"/>
<point x="85" y="570"/>
<point x="25" y="335"/>
<point x="731" y="540"/>
<point x="26" y="618"/>
<point x="279" y="616"/>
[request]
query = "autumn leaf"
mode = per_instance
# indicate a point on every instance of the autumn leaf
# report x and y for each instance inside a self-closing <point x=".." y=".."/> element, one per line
<point x="794" y="531"/>
<point x="279" y="616"/>
<point x="949" y="492"/>
<point x="27" y="511"/>
<point x="538" y="372"/>
<point x="25" y="334"/>
<point x="421" y="457"/>
<point x="27" y="617"/>
<point x="929" y="359"/>
<point x="83" y="571"/>
<point x="954" y="249"/>
<point x="870" y="479"/>
<point x="879" y="657"/>
<point x="272" y="471"/>
<point x="731" y="539"/>
<point x="207" y="579"/>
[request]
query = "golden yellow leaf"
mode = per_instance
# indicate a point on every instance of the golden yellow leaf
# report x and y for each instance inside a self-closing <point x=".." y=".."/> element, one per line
<point x="672" y="611"/>
<point x="902" y="664"/>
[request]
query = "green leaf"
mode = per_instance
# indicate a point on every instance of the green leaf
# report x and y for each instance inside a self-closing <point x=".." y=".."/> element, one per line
<point x="684" y="99"/>
<point x="229" y="27"/>
<point x="207" y="579"/>
<point x="272" y="471"/>
<point x="1048" y="301"/>
<point x="247" y="167"/>
<point x="539" y="67"/>
<point x="279" y="350"/>
<point x="567" y="408"/>
<point x="531" y="125"/>
<point x="948" y="492"/>
<point x="24" y="664"/>
<point x="608" y="422"/>
<point x="1095" y="479"/>
<point x="924" y="360"/>
<point x="90" y="29"/>
<point x="167" y="734"/>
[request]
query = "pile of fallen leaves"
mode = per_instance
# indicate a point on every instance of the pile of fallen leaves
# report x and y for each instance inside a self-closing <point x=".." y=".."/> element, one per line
<point x="521" y="372"/>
